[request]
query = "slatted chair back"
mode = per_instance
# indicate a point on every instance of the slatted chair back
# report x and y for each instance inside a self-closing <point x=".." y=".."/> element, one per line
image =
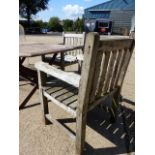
<point x="74" y="40"/>
<point x="104" y="68"/>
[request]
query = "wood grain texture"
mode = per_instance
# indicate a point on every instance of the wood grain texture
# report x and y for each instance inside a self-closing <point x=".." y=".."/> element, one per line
<point x="38" y="49"/>
<point x="71" y="78"/>
<point x="103" y="71"/>
<point x="90" y="53"/>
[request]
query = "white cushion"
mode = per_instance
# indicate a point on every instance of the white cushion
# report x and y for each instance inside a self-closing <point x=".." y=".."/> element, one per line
<point x="68" y="58"/>
<point x="80" y="57"/>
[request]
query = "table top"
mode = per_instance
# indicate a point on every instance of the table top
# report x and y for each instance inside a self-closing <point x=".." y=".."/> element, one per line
<point x="39" y="49"/>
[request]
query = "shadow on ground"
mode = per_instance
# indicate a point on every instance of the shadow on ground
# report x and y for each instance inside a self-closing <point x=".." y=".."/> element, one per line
<point x="121" y="133"/>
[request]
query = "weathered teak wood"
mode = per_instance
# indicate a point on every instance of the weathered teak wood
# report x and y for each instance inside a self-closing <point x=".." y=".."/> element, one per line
<point x="74" y="40"/>
<point x="27" y="50"/>
<point x="70" y="57"/>
<point x="48" y="116"/>
<point x="104" y="67"/>
<point x="43" y="99"/>
<point x="71" y="78"/>
<point x="39" y="49"/>
<point x="28" y="97"/>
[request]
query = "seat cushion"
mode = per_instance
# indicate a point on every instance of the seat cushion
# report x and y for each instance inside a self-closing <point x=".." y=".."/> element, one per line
<point x="68" y="58"/>
<point x="80" y="57"/>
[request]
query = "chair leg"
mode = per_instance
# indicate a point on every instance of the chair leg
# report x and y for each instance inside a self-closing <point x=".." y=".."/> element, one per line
<point x="80" y="133"/>
<point x="79" y="66"/>
<point x="44" y="102"/>
<point x="114" y="108"/>
<point x="62" y="61"/>
<point x="113" y="113"/>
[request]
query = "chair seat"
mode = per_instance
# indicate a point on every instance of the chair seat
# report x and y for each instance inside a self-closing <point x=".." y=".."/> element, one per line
<point x="65" y="94"/>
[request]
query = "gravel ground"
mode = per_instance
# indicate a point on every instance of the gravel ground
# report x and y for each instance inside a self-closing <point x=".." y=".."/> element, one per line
<point x="102" y="138"/>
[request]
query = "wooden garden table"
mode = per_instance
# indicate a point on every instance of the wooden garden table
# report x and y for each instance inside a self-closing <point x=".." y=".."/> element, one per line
<point x="38" y="49"/>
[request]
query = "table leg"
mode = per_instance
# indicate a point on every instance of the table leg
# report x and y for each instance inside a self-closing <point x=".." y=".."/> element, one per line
<point x="43" y="58"/>
<point x="62" y="61"/>
<point x="80" y="66"/>
<point x="28" y="97"/>
<point x="30" y="75"/>
<point x="21" y="60"/>
<point x="53" y="59"/>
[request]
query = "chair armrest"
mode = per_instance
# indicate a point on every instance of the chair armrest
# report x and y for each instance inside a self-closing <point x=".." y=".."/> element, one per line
<point x="70" y="78"/>
<point x="60" y="43"/>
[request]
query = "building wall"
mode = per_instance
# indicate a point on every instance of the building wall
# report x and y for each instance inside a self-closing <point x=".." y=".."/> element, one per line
<point x="121" y="19"/>
<point x="119" y="11"/>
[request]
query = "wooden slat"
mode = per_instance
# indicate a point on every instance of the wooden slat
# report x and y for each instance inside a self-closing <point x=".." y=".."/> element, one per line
<point x="64" y="93"/>
<point x="85" y="88"/>
<point x="110" y="45"/>
<point x="70" y="100"/>
<point x="43" y="99"/>
<point x="116" y="69"/>
<point x="97" y="75"/>
<point x="113" y="71"/>
<point x="74" y="40"/>
<point x="104" y="66"/>
<point x="66" y="108"/>
<point x="54" y="86"/>
<point x="110" y="71"/>
<point x="100" y="100"/>
<point x="70" y="78"/>
<point x="121" y="67"/>
<point x="52" y="120"/>
<point x="61" y="92"/>
<point x="66" y="98"/>
<point x="122" y="57"/>
<point x="124" y="67"/>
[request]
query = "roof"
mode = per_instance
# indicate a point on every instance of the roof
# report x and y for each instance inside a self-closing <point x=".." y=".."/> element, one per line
<point x="114" y="5"/>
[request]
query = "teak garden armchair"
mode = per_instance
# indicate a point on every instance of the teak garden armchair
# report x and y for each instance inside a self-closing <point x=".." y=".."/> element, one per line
<point x="69" y="57"/>
<point x="104" y="67"/>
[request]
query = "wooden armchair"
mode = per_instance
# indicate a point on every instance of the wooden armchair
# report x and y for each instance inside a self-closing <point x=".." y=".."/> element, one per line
<point x="104" y="67"/>
<point x="70" y="57"/>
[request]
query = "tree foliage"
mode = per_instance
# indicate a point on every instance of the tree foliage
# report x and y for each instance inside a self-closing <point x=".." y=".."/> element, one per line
<point x="54" y="24"/>
<point x="31" y="7"/>
<point x="68" y="25"/>
<point x="79" y="25"/>
<point x="35" y="24"/>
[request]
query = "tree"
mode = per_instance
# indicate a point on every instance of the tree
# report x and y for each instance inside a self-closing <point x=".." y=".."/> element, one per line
<point x="79" y="25"/>
<point x="40" y="24"/>
<point x="31" y="7"/>
<point x="54" y="24"/>
<point x="68" y="25"/>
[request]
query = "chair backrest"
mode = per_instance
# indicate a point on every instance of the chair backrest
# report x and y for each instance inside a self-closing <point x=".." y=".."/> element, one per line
<point x="74" y="39"/>
<point x="21" y="34"/>
<point x="104" y="67"/>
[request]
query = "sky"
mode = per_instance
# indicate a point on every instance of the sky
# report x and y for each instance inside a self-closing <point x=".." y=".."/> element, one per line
<point x="66" y="9"/>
